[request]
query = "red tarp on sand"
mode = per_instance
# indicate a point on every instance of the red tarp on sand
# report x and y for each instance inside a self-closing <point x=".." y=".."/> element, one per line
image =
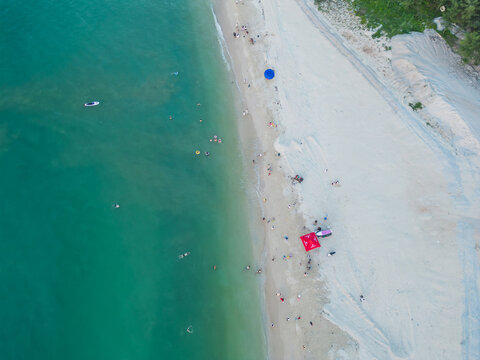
<point x="310" y="241"/>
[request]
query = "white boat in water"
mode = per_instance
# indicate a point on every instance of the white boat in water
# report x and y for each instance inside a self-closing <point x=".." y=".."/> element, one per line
<point x="93" y="103"/>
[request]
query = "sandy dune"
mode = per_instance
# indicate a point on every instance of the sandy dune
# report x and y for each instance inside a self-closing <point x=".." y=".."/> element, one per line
<point x="405" y="211"/>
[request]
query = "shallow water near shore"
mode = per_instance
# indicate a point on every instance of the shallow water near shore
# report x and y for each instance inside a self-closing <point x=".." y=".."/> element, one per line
<point x="83" y="279"/>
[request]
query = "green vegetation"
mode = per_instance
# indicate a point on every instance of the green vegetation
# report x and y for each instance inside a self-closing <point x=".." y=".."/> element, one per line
<point x="470" y="47"/>
<point x="466" y="14"/>
<point x="392" y="17"/>
<point x="416" y="106"/>
<point x="448" y="37"/>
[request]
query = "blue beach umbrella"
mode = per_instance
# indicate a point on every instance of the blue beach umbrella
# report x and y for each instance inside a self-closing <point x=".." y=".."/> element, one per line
<point x="269" y="74"/>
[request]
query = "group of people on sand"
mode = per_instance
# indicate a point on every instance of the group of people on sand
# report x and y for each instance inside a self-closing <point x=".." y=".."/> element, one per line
<point x="244" y="30"/>
<point x="309" y="263"/>
<point x="282" y="300"/>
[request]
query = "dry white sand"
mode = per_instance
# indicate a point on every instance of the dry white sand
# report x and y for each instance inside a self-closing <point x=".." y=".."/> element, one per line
<point x="406" y="213"/>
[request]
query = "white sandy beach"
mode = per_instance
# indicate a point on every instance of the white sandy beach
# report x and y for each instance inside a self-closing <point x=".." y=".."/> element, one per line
<point x="406" y="211"/>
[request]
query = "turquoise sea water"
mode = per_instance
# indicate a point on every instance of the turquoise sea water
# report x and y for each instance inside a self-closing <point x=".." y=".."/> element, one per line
<point x="79" y="278"/>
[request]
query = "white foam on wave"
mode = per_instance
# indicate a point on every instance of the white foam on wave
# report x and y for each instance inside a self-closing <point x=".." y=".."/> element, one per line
<point x="221" y="40"/>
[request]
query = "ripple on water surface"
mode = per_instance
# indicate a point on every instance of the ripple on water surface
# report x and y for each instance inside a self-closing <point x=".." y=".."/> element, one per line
<point x="81" y="278"/>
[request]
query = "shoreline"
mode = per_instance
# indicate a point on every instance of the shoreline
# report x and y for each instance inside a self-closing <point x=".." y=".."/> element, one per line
<point x="259" y="138"/>
<point x="338" y="111"/>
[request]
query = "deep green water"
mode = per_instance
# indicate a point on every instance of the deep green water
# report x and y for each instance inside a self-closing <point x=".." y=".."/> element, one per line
<point x="80" y="279"/>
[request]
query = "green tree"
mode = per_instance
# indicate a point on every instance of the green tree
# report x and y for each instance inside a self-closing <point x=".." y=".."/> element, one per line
<point x="464" y="13"/>
<point x="470" y="47"/>
<point x="404" y="16"/>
